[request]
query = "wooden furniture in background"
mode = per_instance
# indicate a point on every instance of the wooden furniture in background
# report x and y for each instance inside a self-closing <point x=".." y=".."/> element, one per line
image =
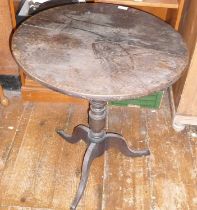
<point x="173" y="16"/>
<point x="185" y="90"/>
<point x="145" y="3"/>
<point x="168" y="10"/>
<point x="7" y="22"/>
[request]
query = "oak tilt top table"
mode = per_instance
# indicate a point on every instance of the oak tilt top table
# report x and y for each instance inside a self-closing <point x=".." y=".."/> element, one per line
<point x="100" y="52"/>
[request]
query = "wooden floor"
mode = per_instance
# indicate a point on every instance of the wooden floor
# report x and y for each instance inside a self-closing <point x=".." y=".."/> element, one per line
<point x="39" y="170"/>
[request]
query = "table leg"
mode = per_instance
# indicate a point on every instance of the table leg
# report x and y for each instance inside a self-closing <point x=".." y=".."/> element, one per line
<point x="93" y="151"/>
<point x="118" y="141"/>
<point x="80" y="132"/>
<point x="98" y="141"/>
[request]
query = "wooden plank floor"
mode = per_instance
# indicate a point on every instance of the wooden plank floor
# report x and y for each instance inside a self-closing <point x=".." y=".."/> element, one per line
<point x="40" y="171"/>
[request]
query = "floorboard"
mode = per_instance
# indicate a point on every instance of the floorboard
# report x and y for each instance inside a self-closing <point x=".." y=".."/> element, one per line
<point x="40" y="171"/>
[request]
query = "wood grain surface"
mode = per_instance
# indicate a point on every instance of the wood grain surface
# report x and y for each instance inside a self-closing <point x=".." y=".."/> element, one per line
<point x="41" y="171"/>
<point x="148" y="3"/>
<point x="185" y="89"/>
<point x="7" y="63"/>
<point x="99" y="51"/>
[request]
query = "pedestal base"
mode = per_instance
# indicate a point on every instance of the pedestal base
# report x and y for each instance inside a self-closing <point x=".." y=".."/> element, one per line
<point x="98" y="142"/>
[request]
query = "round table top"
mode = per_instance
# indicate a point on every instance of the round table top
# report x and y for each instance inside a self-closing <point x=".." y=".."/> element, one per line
<point x="100" y="51"/>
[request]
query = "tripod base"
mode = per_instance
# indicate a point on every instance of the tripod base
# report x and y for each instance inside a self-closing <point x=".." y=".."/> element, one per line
<point x="95" y="150"/>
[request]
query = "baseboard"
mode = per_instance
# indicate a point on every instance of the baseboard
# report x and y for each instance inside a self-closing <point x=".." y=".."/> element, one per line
<point x="185" y="120"/>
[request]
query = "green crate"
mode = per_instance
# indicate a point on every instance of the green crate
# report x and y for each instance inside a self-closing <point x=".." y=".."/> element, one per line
<point x="152" y="101"/>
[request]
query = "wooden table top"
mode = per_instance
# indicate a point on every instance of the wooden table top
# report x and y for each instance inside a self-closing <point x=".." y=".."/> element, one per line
<point x="100" y="51"/>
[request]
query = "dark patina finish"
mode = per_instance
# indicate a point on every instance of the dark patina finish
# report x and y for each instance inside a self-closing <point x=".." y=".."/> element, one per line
<point x="98" y="141"/>
<point x="101" y="53"/>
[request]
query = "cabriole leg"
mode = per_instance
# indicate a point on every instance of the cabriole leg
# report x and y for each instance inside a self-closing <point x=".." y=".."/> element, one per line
<point x="98" y="141"/>
<point x="94" y="150"/>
